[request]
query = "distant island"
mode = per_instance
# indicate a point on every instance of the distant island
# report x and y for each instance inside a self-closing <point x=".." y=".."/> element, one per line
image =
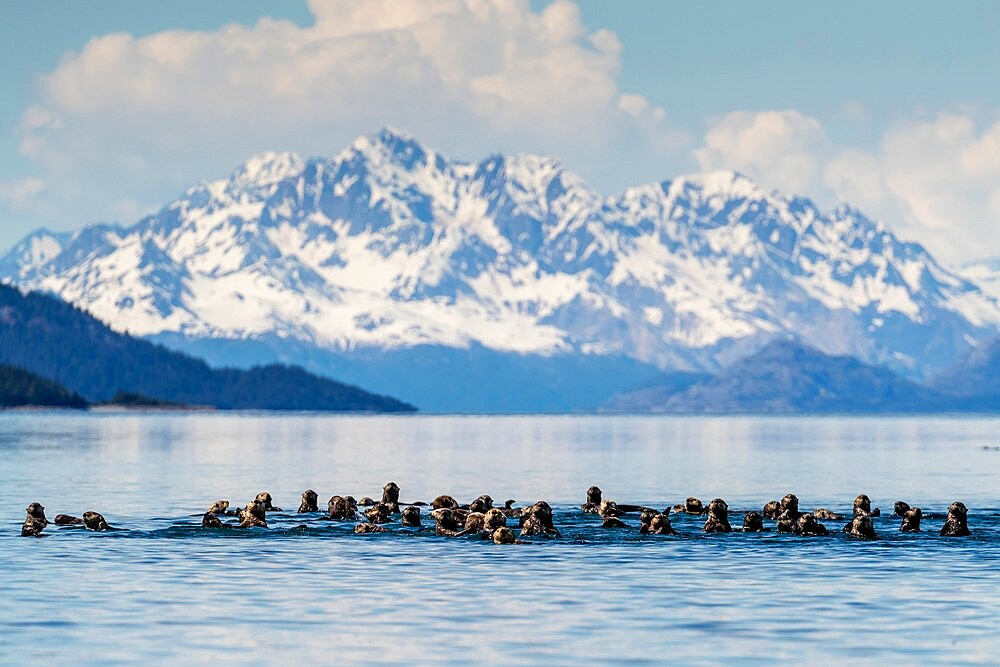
<point x="57" y="355"/>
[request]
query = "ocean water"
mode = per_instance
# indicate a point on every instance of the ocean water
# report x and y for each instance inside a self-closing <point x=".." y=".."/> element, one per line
<point x="165" y="590"/>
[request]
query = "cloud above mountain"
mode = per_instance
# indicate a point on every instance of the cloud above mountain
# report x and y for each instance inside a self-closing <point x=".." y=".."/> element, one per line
<point x="935" y="179"/>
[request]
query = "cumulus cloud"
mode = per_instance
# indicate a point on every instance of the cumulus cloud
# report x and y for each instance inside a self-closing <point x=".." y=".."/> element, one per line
<point x="934" y="180"/>
<point x="127" y="117"/>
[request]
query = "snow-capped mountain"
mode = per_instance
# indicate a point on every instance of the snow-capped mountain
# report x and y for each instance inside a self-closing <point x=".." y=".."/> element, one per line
<point x="390" y="245"/>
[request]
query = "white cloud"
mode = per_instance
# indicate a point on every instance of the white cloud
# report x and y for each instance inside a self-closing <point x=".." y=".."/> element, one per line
<point x="22" y="193"/>
<point x="935" y="180"/>
<point x="130" y="119"/>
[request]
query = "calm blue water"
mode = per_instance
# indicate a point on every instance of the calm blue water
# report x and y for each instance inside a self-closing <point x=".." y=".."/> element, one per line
<point x="164" y="590"/>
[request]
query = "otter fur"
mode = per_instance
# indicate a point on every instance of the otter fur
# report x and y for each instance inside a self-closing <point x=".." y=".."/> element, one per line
<point x="900" y="508"/>
<point x="753" y="523"/>
<point x="309" y="502"/>
<point x="365" y="528"/>
<point x="593" y="500"/>
<point x="95" y="521"/>
<point x="807" y="525"/>
<point x="956" y="525"/>
<point x="411" y="517"/>
<point x="390" y="497"/>
<point x="503" y="535"/>
<point x="265" y="499"/>
<point x="718" y="517"/>
<point x="911" y="520"/>
<point x="35" y="521"/>
<point x="67" y="520"/>
<point x="253" y="514"/>
<point x="861" y="526"/>
<point x="691" y="506"/>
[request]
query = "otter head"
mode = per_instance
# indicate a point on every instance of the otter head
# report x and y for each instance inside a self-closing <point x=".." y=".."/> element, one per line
<point x="256" y="509"/>
<point x="210" y="521"/>
<point x="379" y="513"/>
<point x="445" y="518"/>
<point x="807" y="523"/>
<point x="900" y="508"/>
<point x="36" y="511"/>
<point x="264" y="498"/>
<point x="594" y="495"/>
<point x="390" y="493"/>
<point x="660" y="524"/>
<point x="958" y="510"/>
<point x="718" y="508"/>
<point x="646" y="516"/>
<point x="863" y="526"/>
<point x="790" y="502"/>
<point x="219" y="507"/>
<point x="475" y="522"/>
<point x="310" y="496"/>
<point x="482" y="504"/>
<point x="752" y="522"/>
<point x="494" y="519"/>
<point x="94" y="521"/>
<point x="444" y="502"/>
<point x="694" y="506"/>
<point x="503" y="535"/>
<point x="862" y="504"/>
<point x="411" y="517"/>
<point x="608" y="508"/>
<point x="772" y="509"/>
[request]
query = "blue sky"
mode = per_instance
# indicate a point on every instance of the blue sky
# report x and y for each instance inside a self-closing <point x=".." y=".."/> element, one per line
<point x="891" y="106"/>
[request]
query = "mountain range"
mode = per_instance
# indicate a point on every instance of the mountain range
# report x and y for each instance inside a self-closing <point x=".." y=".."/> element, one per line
<point x="507" y="284"/>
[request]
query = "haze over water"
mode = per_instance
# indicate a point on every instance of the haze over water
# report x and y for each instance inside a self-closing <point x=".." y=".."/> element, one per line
<point x="164" y="589"/>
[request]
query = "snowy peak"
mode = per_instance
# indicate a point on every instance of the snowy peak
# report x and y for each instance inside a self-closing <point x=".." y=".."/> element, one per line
<point x="390" y="244"/>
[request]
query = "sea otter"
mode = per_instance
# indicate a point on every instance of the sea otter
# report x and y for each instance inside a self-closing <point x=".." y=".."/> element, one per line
<point x="390" y="497"/>
<point x="503" y="535"/>
<point x="772" y="510"/>
<point x="790" y="503"/>
<point x="482" y="504"/>
<point x="379" y="513"/>
<point x="494" y="519"/>
<point x="863" y="505"/>
<point x="646" y="518"/>
<point x="593" y="500"/>
<point x="411" y="517"/>
<point x="911" y="520"/>
<point x="444" y="502"/>
<point x="265" y="499"/>
<point x="474" y="522"/>
<point x="718" y="517"/>
<point x="612" y="522"/>
<point x="67" y="520"/>
<point x="34" y="522"/>
<point x="309" y="502"/>
<point x="341" y="508"/>
<point x="253" y="514"/>
<point x="509" y="510"/>
<point x="608" y="509"/>
<point x="365" y="528"/>
<point x="659" y="525"/>
<point x="219" y="507"/>
<point x="861" y="526"/>
<point x="808" y="525"/>
<point x="445" y="522"/>
<point x="691" y="506"/>
<point x="956" y="525"/>
<point x="94" y="521"/>
<point x="752" y="523"/>
<point x="824" y="513"/>
<point x="787" y="521"/>
<point x="900" y="508"/>
<point x="537" y="520"/>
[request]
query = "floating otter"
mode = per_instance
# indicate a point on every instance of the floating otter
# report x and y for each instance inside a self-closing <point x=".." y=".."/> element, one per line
<point x="808" y="525"/>
<point x="753" y="523"/>
<point x="659" y="524"/>
<point x="863" y="505"/>
<point x="772" y="510"/>
<point x="503" y="535"/>
<point x="787" y="521"/>
<point x="718" y="517"/>
<point x="593" y="500"/>
<point x="309" y="502"/>
<point x="411" y="517"/>
<point x="445" y="522"/>
<point x="508" y="508"/>
<point x="341" y="508"/>
<point x="612" y="522"/>
<point x="253" y="514"/>
<point x="265" y="499"/>
<point x="366" y="501"/>
<point x="482" y="504"/>
<point x="390" y="497"/>
<point x="67" y="520"/>
<point x="219" y="507"/>
<point x="824" y="513"/>
<point x="646" y="518"/>
<point x="95" y="521"/>
<point x="442" y="502"/>
<point x="537" y="520"/>
<point x="790" y="503"/>
<point x="365" y="528"/>
<point x="691" y="506"/>
<point x="494" y="519"/>
<point x="379" y="513"/>
<point x="956" y="525"/>
<point x="34" y="522"/>
<point x="861" y="526"/>
<point x="475" y="522"/>
<point x="900" y="508"/>
<point x="608" y="509"/>
<point x="911" y="520"/>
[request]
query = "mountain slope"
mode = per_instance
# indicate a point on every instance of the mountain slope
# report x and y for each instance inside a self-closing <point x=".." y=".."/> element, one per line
<point x="787" y="377"/>
<point x="985" y="273"/>
<point x="19" y="388"/>
<point x="46" y="336"/>
<point x="391" y="246"/>
<point x="975" y="378"/>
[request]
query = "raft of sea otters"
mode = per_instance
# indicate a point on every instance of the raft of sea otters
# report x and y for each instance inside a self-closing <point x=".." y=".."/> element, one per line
<point x="481" y="518"/>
